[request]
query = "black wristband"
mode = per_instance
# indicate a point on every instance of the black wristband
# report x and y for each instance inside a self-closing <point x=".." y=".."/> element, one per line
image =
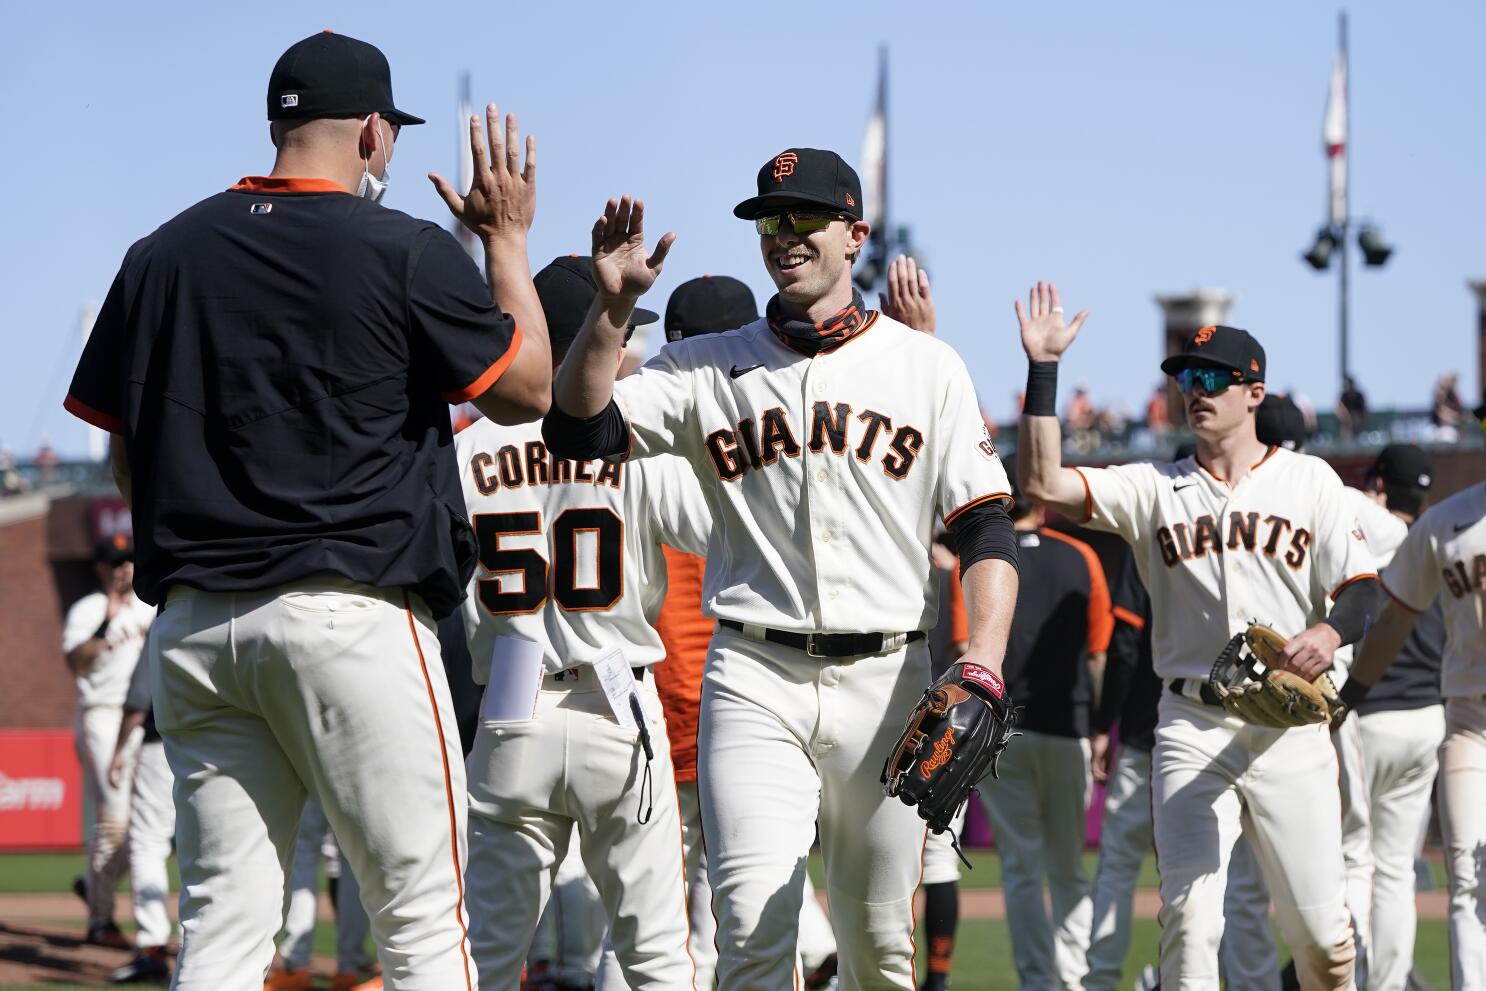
<point x="1353" y="692"/>
<point x="1042" y="389"/>
<point x="102" y="630"/>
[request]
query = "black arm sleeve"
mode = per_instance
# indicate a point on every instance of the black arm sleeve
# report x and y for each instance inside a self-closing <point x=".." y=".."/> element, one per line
<point x="1355" y="609"/>
<point x="1119" y="671"/>
<point x="982" y="532"/>
<point x="582" y="438"/>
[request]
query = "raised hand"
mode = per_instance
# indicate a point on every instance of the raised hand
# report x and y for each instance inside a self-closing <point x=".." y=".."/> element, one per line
<point x="503" y="196"/>
<point x="621" y="268"/>
<point x="1044" y="334"/>
<point x="907" y="299"/>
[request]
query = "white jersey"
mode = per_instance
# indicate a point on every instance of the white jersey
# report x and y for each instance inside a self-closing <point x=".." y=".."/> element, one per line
<point x="1445" y="555"/>
<point x="570" y="551"/>
<point x="825" y="475"/>
<point x="108" y="682"/>
<point x="1271" y="549"/>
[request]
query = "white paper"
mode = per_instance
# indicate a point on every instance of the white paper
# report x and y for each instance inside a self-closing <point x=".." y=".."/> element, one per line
<point x="516" y="672"/>
<point x="619" y="684"/>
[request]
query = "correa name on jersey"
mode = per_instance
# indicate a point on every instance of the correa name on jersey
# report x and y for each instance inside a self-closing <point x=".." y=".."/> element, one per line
<point x="512" y="467"/>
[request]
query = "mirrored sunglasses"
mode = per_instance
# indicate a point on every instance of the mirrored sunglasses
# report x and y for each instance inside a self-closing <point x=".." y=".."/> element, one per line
<point x="802" y="222"/>
<point x="1213" y="381"/>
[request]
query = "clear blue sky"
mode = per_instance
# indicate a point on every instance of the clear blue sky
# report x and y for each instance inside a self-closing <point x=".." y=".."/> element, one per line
<point x="1122" y="150"/>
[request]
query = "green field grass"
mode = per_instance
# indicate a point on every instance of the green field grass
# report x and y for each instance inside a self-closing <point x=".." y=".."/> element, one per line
<point x="982" y="955"/>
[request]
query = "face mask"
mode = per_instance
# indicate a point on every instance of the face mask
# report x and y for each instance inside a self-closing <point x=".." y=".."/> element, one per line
<point x="370" y="187"/>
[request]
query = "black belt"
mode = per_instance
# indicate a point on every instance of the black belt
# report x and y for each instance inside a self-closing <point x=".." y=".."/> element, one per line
<point x="829" y="644"/>
<point x="573" y="674"/>
<point x="1177" y="686"/>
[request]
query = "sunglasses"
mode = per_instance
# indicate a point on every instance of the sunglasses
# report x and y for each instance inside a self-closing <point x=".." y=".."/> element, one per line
<point x="802" y="222"/>
<point x="1214" y="381"/>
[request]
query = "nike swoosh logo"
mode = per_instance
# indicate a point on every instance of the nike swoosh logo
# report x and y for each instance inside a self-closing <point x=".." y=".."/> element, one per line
<point x="1178" y="488"/>
<point x="736" y="372"/>
<point x="1462" y="527"/>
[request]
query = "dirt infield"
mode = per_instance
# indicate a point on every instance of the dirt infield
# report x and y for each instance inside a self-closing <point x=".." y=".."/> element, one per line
<point x="41" y="934"/>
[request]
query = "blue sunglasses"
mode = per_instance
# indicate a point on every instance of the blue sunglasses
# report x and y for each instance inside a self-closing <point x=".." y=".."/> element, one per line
<point x="1214" y="381"/>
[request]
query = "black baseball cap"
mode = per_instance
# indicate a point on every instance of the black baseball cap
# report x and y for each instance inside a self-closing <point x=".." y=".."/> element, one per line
<point x="1217" y="346"/>
<point x="708" y="305"/>
<point x="804" y="177"/>
<point x="1404" y="465"/>
<point x="114" y="550"/>
<point x="1278" y="421"/>
<point x="332" y="75"/>
<point x="566" y="290"/>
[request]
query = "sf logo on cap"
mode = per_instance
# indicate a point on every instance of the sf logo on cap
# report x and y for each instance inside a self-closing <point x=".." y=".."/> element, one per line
<point x="785" y="165"/>
<point x="1204" y="335"/>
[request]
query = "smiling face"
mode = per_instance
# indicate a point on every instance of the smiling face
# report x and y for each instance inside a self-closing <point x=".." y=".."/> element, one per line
<point x="809" y="267"/>
<point x="1214" y="415"/>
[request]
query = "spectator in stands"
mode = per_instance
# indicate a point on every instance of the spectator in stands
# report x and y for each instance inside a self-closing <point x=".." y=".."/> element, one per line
<point x="1081" y="420"/>
<point x="12" y="482"/>
<point x="1156" y="419"/>
<point x="1446" y="411"/>
<point x="1351" y="408"/>
<point x="46" y="461"/>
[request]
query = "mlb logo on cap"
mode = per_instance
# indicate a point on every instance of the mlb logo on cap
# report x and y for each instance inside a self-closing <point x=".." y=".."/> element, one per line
<point x="289" y="100"/>
<point x="260" y="208"/>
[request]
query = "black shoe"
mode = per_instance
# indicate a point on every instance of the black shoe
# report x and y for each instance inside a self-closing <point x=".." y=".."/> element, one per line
<point x="109" y="935"/>
<point x="821" y="976"/>
<point x="147" y="965"/>
<point x="80" y="888"/>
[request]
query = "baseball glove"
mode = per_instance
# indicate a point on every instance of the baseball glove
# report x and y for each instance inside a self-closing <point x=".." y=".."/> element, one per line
<point x="1248" y="681"/>
<point x="955" y="733"/>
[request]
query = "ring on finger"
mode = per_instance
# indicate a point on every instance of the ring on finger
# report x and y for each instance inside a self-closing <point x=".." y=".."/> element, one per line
<point x="1057" y="309"/>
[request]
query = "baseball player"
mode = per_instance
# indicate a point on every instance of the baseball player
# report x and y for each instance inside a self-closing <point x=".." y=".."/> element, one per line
<point x="571" y="560"/>
<point x="829" y="440"/>
<point x="710" y="305"/>
<point x="1039" y="805"/>
<point x="1237" y="533"/>
<point x="277" y="364"/>
<point x="151" y="831"/>
<point x="1444" y="555"/>
<point x="102" y="637"/>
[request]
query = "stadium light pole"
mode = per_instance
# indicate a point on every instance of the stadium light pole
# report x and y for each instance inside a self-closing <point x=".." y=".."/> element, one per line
<point x="1333" y="236"/>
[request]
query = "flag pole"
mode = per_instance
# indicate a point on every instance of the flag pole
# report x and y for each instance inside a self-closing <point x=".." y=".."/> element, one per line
<point x="1346" y="217"/>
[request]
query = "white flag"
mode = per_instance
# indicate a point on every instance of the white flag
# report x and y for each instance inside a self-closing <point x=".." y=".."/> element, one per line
<point x="874" y="155"/>
<point x="466" y="159"/>
<point x="1334" y="137"/>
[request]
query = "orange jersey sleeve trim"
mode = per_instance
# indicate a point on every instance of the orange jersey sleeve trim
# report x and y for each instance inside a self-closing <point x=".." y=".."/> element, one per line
<point x="1101" y="615"/>
<point x="948" y="520"/>
<point x="1088" y="498"/>
<point x="97" y="418"/>
<point x="1128" y="618"/>
<point x="1395" y="598"/>
<point x="1351" y="581"/>
<point x="490" y="375"/>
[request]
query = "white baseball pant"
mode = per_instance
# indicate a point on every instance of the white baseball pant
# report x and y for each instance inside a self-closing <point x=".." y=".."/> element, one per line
<point x="1247" y="956"/>
<point x="1399" y="748"/>
<point x="570" y="934"/>
<point x="1038" y="806"/>
<point x="703" y="942"/>
<point x="785" y="740"/>
<point x="1124" y="840"/>
<point x="314" y="843"/>
<point x="1463" y="822"/>
<point x="1214" y="776"/>
<point x="1356" y="839"/>
<point x="151" y="832"/>
<point x="941" y="863"/>
<point x="323" y="686"/>
<point x="96" y="732"/>
<point x="574" y="766"/>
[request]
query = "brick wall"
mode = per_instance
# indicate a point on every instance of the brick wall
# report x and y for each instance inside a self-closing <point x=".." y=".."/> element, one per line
<point x="38" y="688"/>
